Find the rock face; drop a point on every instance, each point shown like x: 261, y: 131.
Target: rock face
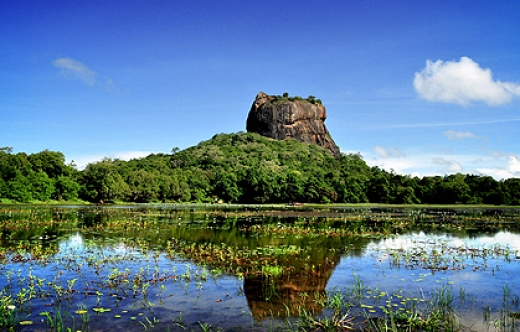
x: 282, y: 118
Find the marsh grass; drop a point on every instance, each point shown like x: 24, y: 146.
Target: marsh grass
x: 122, y: 252
x: 8, y: 317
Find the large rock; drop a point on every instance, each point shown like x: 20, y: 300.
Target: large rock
x: 281, y: 118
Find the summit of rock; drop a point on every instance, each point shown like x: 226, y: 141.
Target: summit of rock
x: 285, y: 117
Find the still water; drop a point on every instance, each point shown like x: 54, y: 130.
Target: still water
x: 185, y: 268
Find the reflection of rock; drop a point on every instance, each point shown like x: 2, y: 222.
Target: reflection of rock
x: 290, y: 292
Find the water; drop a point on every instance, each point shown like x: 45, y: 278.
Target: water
x: 182, y: 268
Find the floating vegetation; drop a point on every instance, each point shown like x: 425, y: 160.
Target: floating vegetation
x: 258, y: 267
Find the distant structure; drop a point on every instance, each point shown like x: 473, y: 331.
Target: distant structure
x: 282, y: 117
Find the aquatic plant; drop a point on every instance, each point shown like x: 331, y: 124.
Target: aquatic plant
x: 8, y: 317
x: 143, y: 259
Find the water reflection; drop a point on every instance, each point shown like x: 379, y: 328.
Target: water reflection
x: 290, y: 293
x: 216, y: 267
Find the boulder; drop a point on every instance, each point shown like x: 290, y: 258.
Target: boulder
x: 282, y: 117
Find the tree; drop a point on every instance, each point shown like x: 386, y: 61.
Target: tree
x: 19, y: 189
x: 258, y: 185
x: 484, y: 189
x: 50, y: 162
x: 225, y: 186
x: 3, y: 188
x: 143, y: 186
x: 454, y: 190
x: 42, y: 186
x: 511, y: 189
x: 404, y: 187
x: 293, y: 187
x: 6, y: 149
x: 179, y: 188
x: 103, y: 182
x: 66, y: 188
x: 379, y: 189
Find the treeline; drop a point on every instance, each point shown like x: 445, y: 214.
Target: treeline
x: 239, y: 168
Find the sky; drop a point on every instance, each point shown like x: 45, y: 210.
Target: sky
x: 416, y: 87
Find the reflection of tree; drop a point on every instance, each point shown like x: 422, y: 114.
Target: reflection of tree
x: 291, y: 292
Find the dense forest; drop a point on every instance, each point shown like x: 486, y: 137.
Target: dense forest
x: 238, y: 168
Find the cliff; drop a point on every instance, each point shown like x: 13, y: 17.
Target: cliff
x: 282, y: 117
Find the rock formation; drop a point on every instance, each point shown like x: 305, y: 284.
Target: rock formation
x: 283, y: 117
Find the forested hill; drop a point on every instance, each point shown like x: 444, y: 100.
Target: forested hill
x: 239, y: 168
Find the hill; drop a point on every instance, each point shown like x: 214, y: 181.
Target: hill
x: 239, y: 168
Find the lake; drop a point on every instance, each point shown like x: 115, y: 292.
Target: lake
x: 258, y: 268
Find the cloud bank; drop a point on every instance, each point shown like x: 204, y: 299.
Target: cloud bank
x: 461, y: 83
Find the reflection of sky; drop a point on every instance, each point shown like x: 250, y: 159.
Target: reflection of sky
x: 415, y: 240
x: 482, y: 278
x: 502, y: 238
x: 76, y: 243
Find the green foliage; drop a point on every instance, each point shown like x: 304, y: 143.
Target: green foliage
x: 66, y: 188
x: 239, y: 168
x: 103, y: 181
x: 285, y: 97
x: 42, y: 186
x: 49, y: 162
x: 40, y: 177
x: 19, y: 188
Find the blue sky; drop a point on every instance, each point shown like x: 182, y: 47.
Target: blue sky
x: 419, y: 87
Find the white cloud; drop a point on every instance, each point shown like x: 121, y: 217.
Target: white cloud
x: 433, y: 161
x: 497, y: 173
x: 514, y: 164
x: 449, y: 165
x: 73, y: 69
x: 414, y: 164
x: 393, y: 152
x: 453, y: 135
x: 381, y: 151
x: 461, y: 83
x: 503, y: 171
